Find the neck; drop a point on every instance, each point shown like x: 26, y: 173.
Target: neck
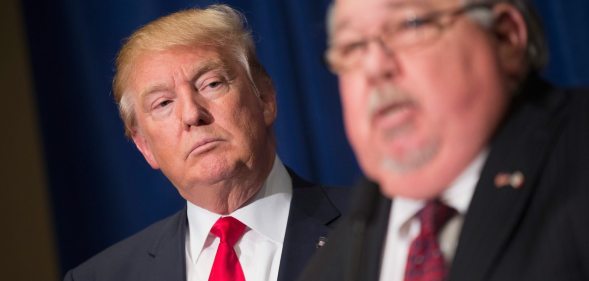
x: 231, y: 198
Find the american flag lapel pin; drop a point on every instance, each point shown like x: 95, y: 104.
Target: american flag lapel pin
x: 321, y: 242
x: 515, y: 180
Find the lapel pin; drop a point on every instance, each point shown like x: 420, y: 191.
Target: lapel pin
x: 321, y: 242
x: 515, y: 180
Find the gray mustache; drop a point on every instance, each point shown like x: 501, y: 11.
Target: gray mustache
x: 385, y: 96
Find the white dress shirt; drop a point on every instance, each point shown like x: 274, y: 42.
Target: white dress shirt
x: 260, y: 248
x: 403, y: 225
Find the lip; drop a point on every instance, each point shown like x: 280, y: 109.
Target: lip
x: 203, y: 145
x: 393, y: 115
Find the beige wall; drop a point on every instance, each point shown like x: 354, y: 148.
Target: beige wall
x: 26, y: 237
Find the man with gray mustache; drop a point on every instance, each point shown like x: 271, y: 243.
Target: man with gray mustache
x: 476, y: 167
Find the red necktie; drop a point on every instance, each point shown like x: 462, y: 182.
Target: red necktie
x: 226, y: 266
x: 425, y: 261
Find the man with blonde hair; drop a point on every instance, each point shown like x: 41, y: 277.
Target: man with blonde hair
x: 477, y: 167
x: 200, y: 107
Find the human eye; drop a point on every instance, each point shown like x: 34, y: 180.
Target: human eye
x: 213, y: 85
x: 351, y: 48
x: 160, y: 105
x: 346, y: 52
x: 411, y: 31
x: 163, y: 103
x: 415, y: 23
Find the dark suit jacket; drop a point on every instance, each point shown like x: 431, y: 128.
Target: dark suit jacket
x: 539, y: 231
x: 158, y: 253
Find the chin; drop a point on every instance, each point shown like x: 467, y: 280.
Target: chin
x: 210, y: 175
x: 415, y: 179
x: 410, y: 186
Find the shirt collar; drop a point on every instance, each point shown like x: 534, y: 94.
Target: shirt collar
x: 270, y: 205
x: 458, y: 195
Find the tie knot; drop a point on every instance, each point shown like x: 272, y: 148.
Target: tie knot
x: 434, y: 216
x: 228, y: 229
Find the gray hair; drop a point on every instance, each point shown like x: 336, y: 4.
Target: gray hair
x: 537, y: 50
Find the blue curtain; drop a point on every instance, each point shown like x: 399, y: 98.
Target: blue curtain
x: 102, y: 189
x: 567, y: 29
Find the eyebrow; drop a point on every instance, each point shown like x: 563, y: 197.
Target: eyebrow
x: 153, y: 89
x: 199, y: 70
x: 394, y: 5
x: 208, y: 66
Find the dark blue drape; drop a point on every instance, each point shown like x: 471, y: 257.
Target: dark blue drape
x: 102, y: 189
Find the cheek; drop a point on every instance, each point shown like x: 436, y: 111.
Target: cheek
x: 454, y: 84
x: 354, y: 109
x: 165, y: 130
x: 245, y: 121
x: 357, y: 123
x: 464, y: 104
x: 163, y: 141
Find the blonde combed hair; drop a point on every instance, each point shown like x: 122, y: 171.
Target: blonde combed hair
x: 217, y: 26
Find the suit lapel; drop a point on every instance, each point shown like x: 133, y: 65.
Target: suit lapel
x: 494, y: 212
x: 167, y: 260
x: 310, y: 214
x: 370, y: 217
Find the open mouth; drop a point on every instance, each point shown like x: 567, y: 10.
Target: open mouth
x: 393, y: 115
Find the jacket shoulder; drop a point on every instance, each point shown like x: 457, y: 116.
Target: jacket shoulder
x: 336, y: 196
x: 133, y: 252
x: 339, y: 196
x: 354, y: 248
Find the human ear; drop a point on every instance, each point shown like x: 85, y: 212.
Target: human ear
x: 268, y: 99
x: 511, y: 34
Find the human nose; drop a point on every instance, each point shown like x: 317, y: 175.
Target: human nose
x: 193, y: 110
x: 380, y: 61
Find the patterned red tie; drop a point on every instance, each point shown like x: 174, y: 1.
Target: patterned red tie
x: 425, y: 261
x: 226, y: 266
